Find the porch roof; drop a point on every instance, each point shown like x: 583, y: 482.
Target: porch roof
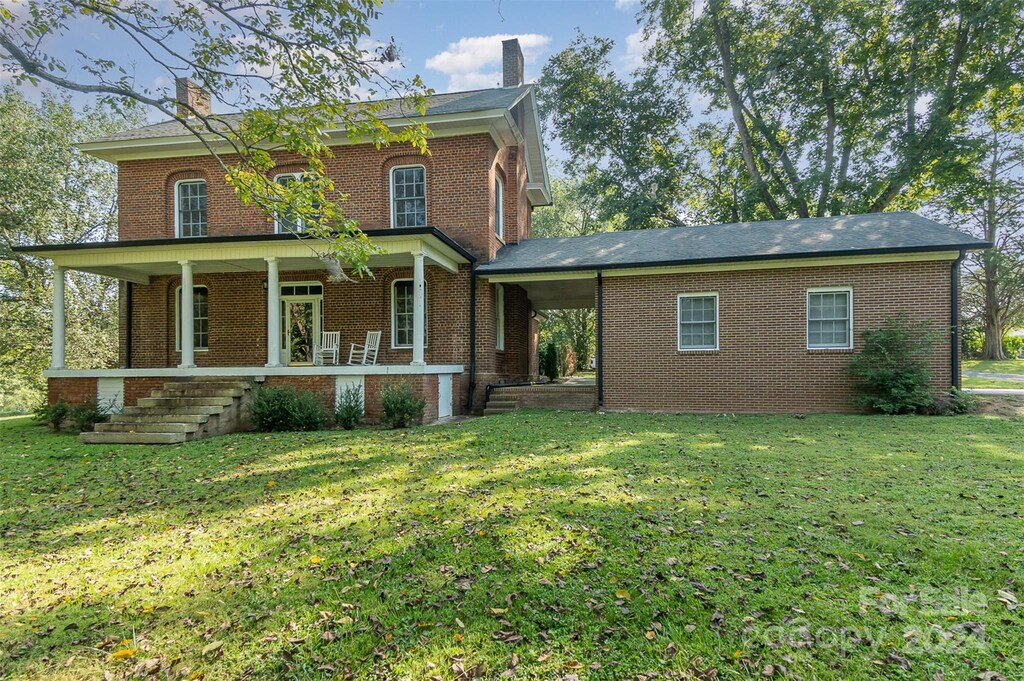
x: 138, y: 260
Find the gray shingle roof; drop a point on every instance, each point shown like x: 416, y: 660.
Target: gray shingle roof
x: 437, y: 105
x: 773, y: 239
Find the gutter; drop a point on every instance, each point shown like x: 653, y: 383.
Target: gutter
x: 954, y: 319
x: 472, y: 338
x: 600, y: 341
x: 128, y: 324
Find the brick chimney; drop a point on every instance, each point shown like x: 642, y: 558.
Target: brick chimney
x: 189, y: 94
x: 511, y: 63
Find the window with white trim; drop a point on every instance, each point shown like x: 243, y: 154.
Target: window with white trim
x: 402, y: 307
x: 499, y: 207
x: 408, y: 196
x: 200, y: 318
x: 499, y: 317
x: 287, y: 222
x: 190, y: 218
x: 830, y: 319
x: 698, y: 321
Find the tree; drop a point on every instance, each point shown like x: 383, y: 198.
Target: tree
x: 52, y: 193
x: 989, y: 202
x: 624, y: 138
x: 290, y: 67
x: 843, y: 107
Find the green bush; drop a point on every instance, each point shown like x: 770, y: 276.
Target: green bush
x: 399, y: 407
x: 350, y: 407
x: 306, y: 412
x: 53, y: 415
x: 549, y: 360
x: 279, y: 409
x: 891, y: 371
x: 953, y: 403
x: 1013, y: 347
x: 972, y: 342
x: 86, y: 415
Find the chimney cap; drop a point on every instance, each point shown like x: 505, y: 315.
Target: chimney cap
x: 511, y: 63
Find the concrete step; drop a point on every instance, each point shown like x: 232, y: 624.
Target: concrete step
x: 148, y: 427
x: 185, y: 402
x: 100, y: 438
x: 171, y: 411
x: 208, y: 385
x: 199, y: 391
x: 490, y: 411
x: 149, y: 417
x: 503, y: 403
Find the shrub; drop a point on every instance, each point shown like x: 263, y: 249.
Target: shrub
x: 53, y: 415
x: 399, y: 407
x: 350, y: 407
x: 1013, y: 347
x: 549, y: 360
x: 953, y: 403
x: 278, y: 409
x: 86, y: 415
x: 972, y: 342
x: 891, y: 371
x: 306, y: 412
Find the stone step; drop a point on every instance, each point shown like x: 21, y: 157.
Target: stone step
x: 149, y: 417
x: 185, y: 402
x: 490, y: 411
x: 199, y: 391
x: 100, y: 438
x: 195, y: 410
x: 502, y: 403
x: 148, y: 427
x: 208, y: 385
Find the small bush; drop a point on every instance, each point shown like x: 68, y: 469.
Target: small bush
x: 549, y: 361
x: 53, y: 415
x: 972, y: 342
x: 1013, y: 347
x: 86, y: 415
x: 350, y: 407
x: 891, y: 371
x: 399, y: 407
x: 280, y: 409
x: 953, y: 403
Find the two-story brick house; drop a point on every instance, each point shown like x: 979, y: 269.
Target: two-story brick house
x: 745, y: 317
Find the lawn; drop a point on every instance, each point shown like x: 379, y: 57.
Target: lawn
x: 972, y: 382
x: 1009, y: 366
x: 533, y: 545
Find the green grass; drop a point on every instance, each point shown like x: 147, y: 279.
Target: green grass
x: 1010, y: 366
x: 971, y: 382
x: 601, y: 546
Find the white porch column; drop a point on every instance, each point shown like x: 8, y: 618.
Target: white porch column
x: 418, y: 311
x: 187, y: 307
x: 57, y: 351
x: 273, y: 314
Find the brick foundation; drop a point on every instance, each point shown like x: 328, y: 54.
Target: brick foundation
x: 71, y: 390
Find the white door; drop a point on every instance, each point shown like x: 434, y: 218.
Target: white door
x: 300, y: 327
x: 444, y: 396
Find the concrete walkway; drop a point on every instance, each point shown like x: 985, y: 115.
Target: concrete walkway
x: 1000, y: 377
x: 996, y: 391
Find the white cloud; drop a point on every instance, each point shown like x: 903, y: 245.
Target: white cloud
x: 626, y: 4
x: 469, y: 63
x: 637, y: 47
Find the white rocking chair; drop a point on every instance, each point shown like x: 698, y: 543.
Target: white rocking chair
x: 367, y: 352
x: 327, y: 349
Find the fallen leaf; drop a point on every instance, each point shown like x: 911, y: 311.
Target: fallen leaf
x: 125, y: 654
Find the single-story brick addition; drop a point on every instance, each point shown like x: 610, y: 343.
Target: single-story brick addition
x: 751, y: 317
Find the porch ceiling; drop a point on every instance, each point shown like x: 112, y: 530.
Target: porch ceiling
x: 137, y: 262
x: 556, y: 294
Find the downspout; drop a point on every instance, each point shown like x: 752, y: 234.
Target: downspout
x: 128, y: 324
x: 954, y: 318
x: 600, y: 341
x: 472, y: 337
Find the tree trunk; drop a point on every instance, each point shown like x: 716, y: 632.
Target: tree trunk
x: 993, y: 348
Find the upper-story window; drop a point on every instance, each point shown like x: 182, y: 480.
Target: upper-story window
x: 499, y: 207
x: 190, y: 208
x: 287, y: 222
x: 408, y: 196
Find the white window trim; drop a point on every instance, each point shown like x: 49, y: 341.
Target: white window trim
x: 391, y: 191
x: 177, y: 213
x: 679, y: 321
x: 499, y: 207
x: 807, y: 318
x: 394, y: 327
x: 301, y: 224
x: 317, y: 298
x: 499, y: 316
x: 177, y: 319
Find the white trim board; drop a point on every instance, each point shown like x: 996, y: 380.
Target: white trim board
x: 262, y: 371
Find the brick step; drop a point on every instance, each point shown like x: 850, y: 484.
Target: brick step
x: 149, y: 417
x: 99, y: 438
x: 208, y: 385
x: 195, y: 410
x: 148, y: 427
x: 199, y: 391
x: 491, y: 411
x: 185, y: 402
x: 503, y: 402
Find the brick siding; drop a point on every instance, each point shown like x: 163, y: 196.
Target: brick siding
x: 763, y: 364
x: 72, y: 390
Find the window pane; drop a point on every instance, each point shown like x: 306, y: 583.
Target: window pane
x: 191, y: 207
x: 698, y: 323
x: 409, y: 192
x: 828, y: 319
x: 402, y: 314
x: 200, y: 319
